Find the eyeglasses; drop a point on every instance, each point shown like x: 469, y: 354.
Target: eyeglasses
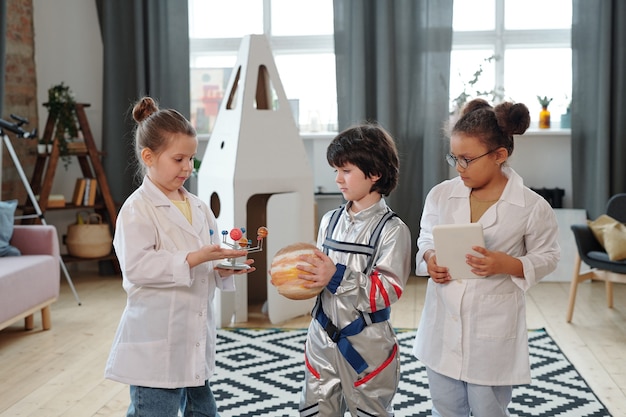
x: 463, y: 162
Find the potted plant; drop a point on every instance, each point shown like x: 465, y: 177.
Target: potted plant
x: 62, y: 107
x: 544, y: 114
x: 42, y: 149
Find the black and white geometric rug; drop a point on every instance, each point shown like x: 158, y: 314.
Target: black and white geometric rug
x: 260, y: 371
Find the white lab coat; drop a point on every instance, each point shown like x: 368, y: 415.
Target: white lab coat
x: 166, y: 336
x: 474, y: 330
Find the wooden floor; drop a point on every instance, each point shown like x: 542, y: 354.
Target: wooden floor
x: 59, y: 372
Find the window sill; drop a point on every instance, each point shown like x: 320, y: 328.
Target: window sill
x: 535, y: 131
x: 204, y: 137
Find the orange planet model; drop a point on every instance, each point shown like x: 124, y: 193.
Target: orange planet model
x: 285, y: 274
x: 262, y: 232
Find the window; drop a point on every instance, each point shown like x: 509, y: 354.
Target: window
x: 521, y: 49
x: 301, y: 38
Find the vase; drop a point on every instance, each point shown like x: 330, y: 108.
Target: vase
x: 544, y: 118
x: 41, y: 148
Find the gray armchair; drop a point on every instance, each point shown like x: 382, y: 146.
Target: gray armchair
x: 591, y: 252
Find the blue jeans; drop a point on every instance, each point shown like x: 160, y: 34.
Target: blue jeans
x: 162, y: 402
x: 454, y: 398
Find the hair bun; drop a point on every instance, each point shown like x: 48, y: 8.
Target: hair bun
x: 144, y: 108
x: 513, y: 118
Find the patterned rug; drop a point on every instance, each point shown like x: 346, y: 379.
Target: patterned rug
x: 260, y: 371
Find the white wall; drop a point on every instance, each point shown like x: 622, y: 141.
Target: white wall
x: 323, y: 174
x: 68, y: 49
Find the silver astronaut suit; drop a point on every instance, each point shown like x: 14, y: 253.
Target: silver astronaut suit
x: 351, y: 352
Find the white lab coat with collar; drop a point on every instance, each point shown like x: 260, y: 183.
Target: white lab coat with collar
x: 474, y: 330
x: 166, y: 336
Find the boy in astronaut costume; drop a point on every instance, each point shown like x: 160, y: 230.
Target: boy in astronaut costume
x: 351, y: 353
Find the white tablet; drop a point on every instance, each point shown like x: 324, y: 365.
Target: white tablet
x: 453, y: 242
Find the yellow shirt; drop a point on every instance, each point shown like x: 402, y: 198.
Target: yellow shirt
x: 479, y: 207
x: 184, y: 208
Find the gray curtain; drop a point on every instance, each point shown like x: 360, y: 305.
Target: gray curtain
x: 598, y: 103
x: 393, y: 67
x: 146, y: 52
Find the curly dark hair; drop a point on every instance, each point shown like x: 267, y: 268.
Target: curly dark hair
x: 494, y: 126
x: 372, y: 149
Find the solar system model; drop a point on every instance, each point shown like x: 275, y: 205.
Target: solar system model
x: 240, y: 242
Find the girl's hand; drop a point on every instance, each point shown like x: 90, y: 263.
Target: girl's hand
x: 492, y: 263
x: 437, y: 273
x: 212, y: 253
x: 320, y: 269
x: 228, y: 272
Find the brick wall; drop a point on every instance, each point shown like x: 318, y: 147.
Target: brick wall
x: 20, y: 95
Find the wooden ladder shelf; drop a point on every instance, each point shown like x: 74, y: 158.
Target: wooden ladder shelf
x: 89, y: 159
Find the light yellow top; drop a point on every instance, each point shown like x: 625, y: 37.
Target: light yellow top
x: 184, y: 208
x: 479, y: 207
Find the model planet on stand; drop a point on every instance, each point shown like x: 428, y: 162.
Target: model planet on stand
x: 285, y: 274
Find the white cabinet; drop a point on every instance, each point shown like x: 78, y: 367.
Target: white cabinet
x: 544, y: 159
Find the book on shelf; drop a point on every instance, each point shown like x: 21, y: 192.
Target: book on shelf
x: 79, y: 191
x: 89, y: 197
x: 55, y: 200
x: 76, y: 146
x: 93, y: 187
x: 87, y: 190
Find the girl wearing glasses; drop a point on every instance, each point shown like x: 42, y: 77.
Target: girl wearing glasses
x: 472, y: 335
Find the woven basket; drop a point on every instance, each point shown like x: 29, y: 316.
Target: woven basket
x: 89, y: 237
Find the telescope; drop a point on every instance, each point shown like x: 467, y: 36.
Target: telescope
x: 17, y: 127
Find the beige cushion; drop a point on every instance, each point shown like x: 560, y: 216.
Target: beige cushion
x: 612, y: 236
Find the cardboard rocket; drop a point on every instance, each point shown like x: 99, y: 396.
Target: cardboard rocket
x: 255, y: 172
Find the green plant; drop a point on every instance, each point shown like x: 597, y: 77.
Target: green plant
x: 196, y: 166
x: 544, y: 101
x: 469, y: 90
x: 62, y: 107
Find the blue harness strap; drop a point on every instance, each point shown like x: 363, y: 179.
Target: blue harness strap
x: 340, y: 337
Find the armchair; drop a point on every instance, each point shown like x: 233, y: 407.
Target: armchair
x: 593, y: 254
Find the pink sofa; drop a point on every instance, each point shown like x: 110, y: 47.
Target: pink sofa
x: 30, y: 282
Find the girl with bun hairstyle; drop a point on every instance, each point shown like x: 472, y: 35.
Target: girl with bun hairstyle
x: 167, y: 244
x: 472, y: 335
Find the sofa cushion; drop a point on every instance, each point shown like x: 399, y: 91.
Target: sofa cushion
x: 7, y: 217
x: 27, y: 281
x: 612, y: 236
